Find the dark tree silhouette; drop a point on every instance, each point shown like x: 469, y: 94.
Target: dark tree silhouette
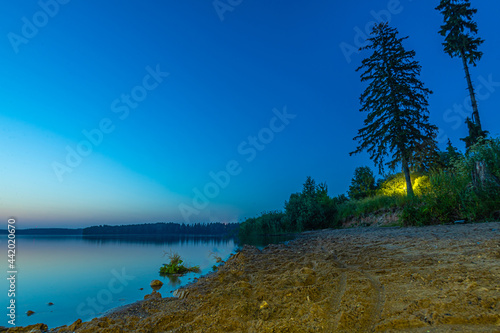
x: 449, y: 156
x: 397, y: 123
x: 459, y: 30
x: 362, y: 184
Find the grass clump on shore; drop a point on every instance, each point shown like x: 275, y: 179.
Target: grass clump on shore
x: 370, y: 205
x: 218, y: 261
x: 176, y: 266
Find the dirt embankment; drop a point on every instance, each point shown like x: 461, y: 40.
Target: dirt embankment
x: 430, y: 279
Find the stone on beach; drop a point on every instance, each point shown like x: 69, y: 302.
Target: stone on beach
x: 156, y: 284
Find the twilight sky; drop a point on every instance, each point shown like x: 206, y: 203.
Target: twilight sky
x: 122, y: 112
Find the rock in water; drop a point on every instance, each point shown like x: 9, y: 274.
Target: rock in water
x: 156, y: 284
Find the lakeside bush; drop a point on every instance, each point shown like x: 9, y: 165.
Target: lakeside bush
x: 453, y: 190
x: 455, y: 193
x: 358, y: 208
x: 362, y: 184
x: 308, y: 210
x: 395, y: 185
x: 311, y: 209
x: 267, y: 223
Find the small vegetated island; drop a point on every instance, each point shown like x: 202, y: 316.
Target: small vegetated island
x: 176, y: 266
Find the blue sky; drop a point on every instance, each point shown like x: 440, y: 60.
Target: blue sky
x: 170, y: 93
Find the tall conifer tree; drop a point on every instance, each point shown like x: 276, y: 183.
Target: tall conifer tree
x: 459, y: 30
x: 397, y: 125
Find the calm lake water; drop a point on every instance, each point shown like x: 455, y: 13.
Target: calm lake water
x: 85, y: 277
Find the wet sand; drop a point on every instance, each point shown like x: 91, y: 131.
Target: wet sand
x: 430, y: 279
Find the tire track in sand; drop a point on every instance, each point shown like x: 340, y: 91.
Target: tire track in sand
x: 377, y: 302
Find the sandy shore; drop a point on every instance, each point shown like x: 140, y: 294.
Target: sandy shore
x: 430, y: 279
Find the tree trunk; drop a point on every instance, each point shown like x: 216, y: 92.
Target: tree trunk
x: 406, y: 171
x: 475, y: 112
x: 482, y: 177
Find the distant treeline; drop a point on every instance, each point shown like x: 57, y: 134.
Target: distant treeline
x: 198, y: 229
x: 47, y: 231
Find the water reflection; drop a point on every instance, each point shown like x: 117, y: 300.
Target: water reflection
x: 158, y: 239
x: 68, y: 271
x: 173, y: 280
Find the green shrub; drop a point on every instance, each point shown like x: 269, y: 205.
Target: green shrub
x: 176, y: 267
x: 452, y: 194
x: 487, y: 151
x: 395, y: 185
x: 308, y: 210
x: 267, y: 223
x: 357, y: 208
x: 415, y: 213
x: 362, y: 184
x: 482, y: 199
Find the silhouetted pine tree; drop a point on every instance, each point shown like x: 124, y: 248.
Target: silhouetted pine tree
x: 362, y: 184
x: 397, y: 123
x: 458, y: 30
x: 449, y: 156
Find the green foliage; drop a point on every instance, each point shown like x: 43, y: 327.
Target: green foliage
x: 340, y: 199
x: 310, y: 209
x: 452, y: 194
x: 267, y: 223
x: 442, y: 196
x: 442, y: 204
x: 395, y: 185
x: 362, y: 184
x: 175, y: 266
x: 415, y: 213
x: 448, y: 157
x: 487, y: 151
x: 363, y: 207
